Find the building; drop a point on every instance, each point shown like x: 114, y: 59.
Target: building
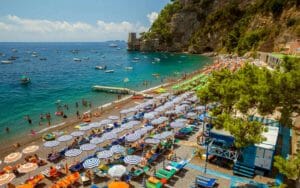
x: 271, y: 59
x: 133, y: 42
x: 141, y: 44
x: 256, y: 159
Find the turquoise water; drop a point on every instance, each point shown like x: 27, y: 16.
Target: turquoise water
x: 61, y: 78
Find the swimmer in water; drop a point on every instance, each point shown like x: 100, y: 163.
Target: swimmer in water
x: 7, y: 130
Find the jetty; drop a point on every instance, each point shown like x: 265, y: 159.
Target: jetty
x: 118, y: 90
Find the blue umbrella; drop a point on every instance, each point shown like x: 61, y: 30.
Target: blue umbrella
x: 91, y: 163
x: 97, y: 140
x: 117, y: 149
x: 132, y: 159
x: 73, y: 152
x: 65, y: 138
x: 87, y: 147
x: 104, y: 154
x: 51, y: 144
x: 132, y: 137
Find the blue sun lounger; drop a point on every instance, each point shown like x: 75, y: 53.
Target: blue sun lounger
x: 202, y: 181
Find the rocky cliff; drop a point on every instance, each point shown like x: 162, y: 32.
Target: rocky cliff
x: 237, y: 26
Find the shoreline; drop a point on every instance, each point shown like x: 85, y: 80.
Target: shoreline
x: 106, y: 109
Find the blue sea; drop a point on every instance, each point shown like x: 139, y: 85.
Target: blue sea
x: 59, y: 77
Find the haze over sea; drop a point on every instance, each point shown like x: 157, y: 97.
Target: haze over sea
x: 61, y: 78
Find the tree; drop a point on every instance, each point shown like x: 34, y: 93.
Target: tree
x: 289, y: 167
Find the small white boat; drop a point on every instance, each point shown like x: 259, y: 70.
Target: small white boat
x: 76, y: 59
x: 34, y: 55
x: 129, y: 68
x: 113, y: 45
x: 14, y: 50
x: 118, y: 48
x: 6, y: 62
x: 136, y: 58
x: 101, y: 67
x: 156, y: 59
x: 109, y: 71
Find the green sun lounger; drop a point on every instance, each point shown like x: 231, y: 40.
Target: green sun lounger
x: 152, y: 185
x: 161, y: 173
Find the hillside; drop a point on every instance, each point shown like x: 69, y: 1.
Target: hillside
x: 238, y: 26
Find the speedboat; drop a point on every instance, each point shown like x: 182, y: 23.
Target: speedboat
x: 12, y: 58
x: 25, y: 80
x: 76, y: 59
x: 136, y: 58
x: 128, y: 68
x: 43, y: 59
x: 101, y: 67
x: 6, y: 62
x: 109, y: 71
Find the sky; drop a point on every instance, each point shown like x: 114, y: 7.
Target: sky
x: 75, y: 20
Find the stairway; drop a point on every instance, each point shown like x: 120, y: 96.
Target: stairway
x: 243, y: 170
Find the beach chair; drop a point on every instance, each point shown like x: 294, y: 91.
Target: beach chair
x: 153, y: 183
x: 161, y: 173
x: 205, y: 181
x: 179, y: 165
x: 76, y: 168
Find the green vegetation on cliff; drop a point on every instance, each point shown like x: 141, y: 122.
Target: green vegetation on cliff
x: 229, y: 26
x: 251, y: 88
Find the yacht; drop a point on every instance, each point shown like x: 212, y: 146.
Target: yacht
x: 113, y: 45
x: 6, y: 62
x: 76, y: 59
x: 101, y: 67
x: 109, y: 71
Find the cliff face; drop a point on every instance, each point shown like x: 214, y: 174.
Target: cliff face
x: 236, y: 26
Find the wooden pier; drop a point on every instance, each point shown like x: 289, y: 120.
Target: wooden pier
x: 117, y: 90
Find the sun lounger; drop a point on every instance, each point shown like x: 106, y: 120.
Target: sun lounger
x: 153, y: 183
x: 76, y: 168
x: 205, y: 181
x: 161, y: 173
x: 179, y: 165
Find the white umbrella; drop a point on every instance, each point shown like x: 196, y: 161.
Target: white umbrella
x: 73, y: 152
x: 6, y: 178
x: 77, y: 133
x: 166, y: 134
x: 109, y: 136
x: 87, y: 147
x: 105, y: 121
x: 133, y: 123
x: 117, y: 130
x: 177, y: 124
x: 181, y: 120
x: 132, y: 159
x: 152, y: 141
x: 85, y: 128
x: 199, y: 108
x: 30, y: 149
x: 65, y: 138
x: 132, y: 137
x: 191, y: 115
x: 95, y: 125
x: 117, y: 171
x: 150, y: 115
x: 113, y: 117
x: 27, y: 167
x: 97, y: 140
x: 104, y: 154
x: 91, y: 163
x: 13, y: 157
x: 51, y: 144
x: 117, y: 149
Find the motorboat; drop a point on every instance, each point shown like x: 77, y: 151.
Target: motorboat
x: 14, y: 50
x: 156, y: 59
x: 128, y: 68
x: 76, y: 59
x: 101, y: 67
x: 25, y: 80
x: 12, y: 58
x: 6, y: 62
x: 109, y: 71
x: 43, y: 59
x: 156, y: 75
x: 113, y: 45
x: 136, y: 58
